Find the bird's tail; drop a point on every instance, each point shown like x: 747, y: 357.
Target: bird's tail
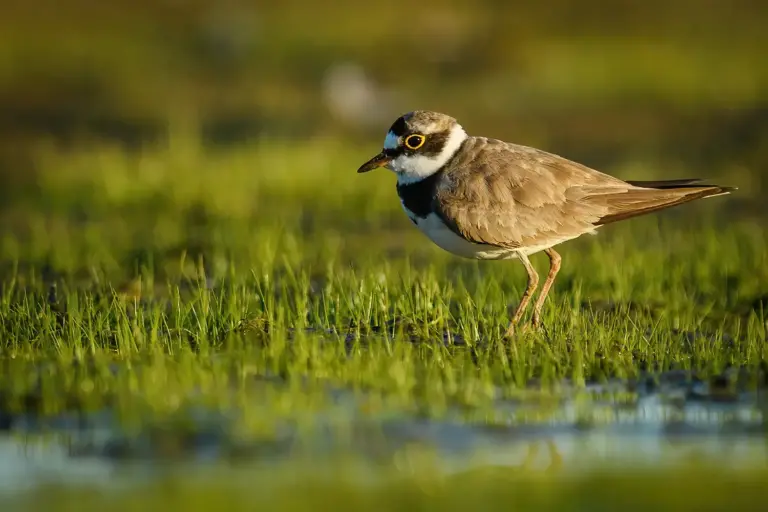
x: 651, y: 196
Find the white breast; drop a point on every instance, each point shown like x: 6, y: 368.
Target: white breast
x: 446, y: 239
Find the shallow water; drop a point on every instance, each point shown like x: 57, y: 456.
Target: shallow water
x: 669, y: 419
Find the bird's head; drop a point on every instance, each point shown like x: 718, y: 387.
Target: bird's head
x: 417, y: 145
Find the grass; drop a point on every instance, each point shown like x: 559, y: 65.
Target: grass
x: 253, y: 282
x: 687, y: 488
x: 122, y: 253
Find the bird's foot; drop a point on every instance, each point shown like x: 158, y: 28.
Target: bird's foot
x: 517, y: 328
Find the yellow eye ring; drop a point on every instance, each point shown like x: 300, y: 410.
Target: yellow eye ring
x: 414, y: 141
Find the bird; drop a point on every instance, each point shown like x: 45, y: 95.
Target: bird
x: 486, y: 199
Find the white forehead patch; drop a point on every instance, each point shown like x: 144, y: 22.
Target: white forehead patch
x: 390, y: 142
x: 413, y: 168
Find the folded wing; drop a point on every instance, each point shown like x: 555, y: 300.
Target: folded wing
x: 514, y: 196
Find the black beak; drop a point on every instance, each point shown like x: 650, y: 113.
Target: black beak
x: 379, y: 160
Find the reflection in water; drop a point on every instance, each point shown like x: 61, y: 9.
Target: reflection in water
x: 670, y: 420
x: 664, y: 421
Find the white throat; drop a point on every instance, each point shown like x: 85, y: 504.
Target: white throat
x: 413, y: 168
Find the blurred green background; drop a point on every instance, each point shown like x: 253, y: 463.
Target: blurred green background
x: 681, y: 80
x: 127, y: 125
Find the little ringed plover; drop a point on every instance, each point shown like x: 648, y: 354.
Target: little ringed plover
x: 483, y: 198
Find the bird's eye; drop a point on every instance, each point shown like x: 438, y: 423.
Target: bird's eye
x: 414, y: 141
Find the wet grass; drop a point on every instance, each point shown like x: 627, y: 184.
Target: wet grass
x: 261, y: 285
x: 416, y: 488
x: 178, y: 249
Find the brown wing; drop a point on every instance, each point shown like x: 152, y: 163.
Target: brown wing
x: 514, y: 196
